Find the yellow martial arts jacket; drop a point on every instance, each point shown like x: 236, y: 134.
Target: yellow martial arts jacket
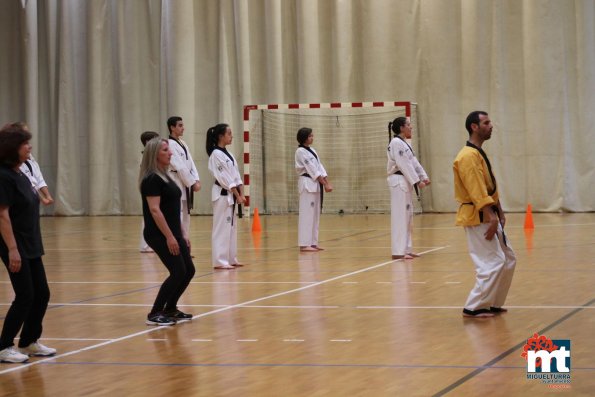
x: 473, y: 183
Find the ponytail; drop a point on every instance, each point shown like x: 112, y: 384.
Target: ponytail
x: 213, y: 135
x: 395, y: 126
x: 390, y: 136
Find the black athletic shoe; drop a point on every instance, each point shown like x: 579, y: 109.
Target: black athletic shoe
x: 481, y: 313
x: 498, y: 310
x: 159, y: 319
x: 178, y: 315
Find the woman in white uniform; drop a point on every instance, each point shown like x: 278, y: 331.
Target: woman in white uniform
x: 405, y: 174
x: 312, y: 180
x: 225, y: 194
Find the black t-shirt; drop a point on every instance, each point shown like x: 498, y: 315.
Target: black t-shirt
x: 17, y: 193
x: 169, y: 204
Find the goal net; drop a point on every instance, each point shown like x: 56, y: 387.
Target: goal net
x: 350, y: 139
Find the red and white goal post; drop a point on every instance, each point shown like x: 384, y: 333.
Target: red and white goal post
x: 351, y: 139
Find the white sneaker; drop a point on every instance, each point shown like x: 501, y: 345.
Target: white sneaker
x: 11, y: 355
x: 37, y: 349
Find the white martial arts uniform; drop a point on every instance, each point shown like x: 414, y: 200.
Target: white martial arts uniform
x: 34, y: 174
x: 401, y: 159
x: 225, y: 170
x: 310, y: 195
x: 185, y: 175
x: 475, y: 188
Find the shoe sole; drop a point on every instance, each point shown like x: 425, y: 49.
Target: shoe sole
x: 157, y: 324
x: 14, y: 362
x: 40, y: 354
x: 482, y: 315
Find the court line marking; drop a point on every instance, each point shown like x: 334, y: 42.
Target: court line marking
x: 503, y: 355
x: 461, y: 307
x: 544, y: 307
x: 302, y: 365
x: 227, y: 308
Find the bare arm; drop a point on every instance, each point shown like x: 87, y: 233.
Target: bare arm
x: 172, y: 243
x: 14, y: 258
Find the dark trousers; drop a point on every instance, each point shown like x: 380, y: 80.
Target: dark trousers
x: 32, y: 295
x: 181, y: 270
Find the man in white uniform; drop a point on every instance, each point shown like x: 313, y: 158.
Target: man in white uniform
x: 183, y: 170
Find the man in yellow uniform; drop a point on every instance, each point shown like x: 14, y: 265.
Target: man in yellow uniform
x: 480, y: 213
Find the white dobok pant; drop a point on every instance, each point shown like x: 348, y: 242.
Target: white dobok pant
x: 225, y: 233
x: 185, y: 218
x: 143, y: 246
x: 309, y: 219
x: 494, y: 266
x: 401, y: 220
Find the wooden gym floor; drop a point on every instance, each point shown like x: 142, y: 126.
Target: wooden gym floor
x: 347, y: 321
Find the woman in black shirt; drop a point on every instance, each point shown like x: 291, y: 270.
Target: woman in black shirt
x: 163, y: 233
x: 21, y: 250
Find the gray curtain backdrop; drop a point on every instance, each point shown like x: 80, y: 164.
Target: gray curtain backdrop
x: 90, y: 76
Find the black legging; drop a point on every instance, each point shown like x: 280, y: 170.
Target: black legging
x: 32, y: 295
x: 181, y: 270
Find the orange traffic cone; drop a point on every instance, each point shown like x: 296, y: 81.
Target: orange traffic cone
x: 529, y: 218
x: 256, y: 222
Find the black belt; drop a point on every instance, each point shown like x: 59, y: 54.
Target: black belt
x: 415, y: 186
x: 225, y: 192
x: 321, y: 190
x: 497, y: 211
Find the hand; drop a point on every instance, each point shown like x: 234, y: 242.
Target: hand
x: 241, y: 199
x: 172, y: 245
x: 427, y: 182
x: 421, y: 184
x: 196, y: 186
x: 328, y: 188
x: 492, y: 229
x: 46, y: 200
x: 14, y: 261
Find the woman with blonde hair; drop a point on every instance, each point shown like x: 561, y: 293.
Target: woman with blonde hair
x: 163, y: 231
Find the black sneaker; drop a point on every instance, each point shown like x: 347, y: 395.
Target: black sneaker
x: 178, y: 315
x: 159, y: 319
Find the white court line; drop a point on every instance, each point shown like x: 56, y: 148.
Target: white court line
x: 147, y: 331
x: 77, y: 339
x: 149, y: 305
x: 461, y: 307
x: 161, y: 282
x: 156, y: 340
